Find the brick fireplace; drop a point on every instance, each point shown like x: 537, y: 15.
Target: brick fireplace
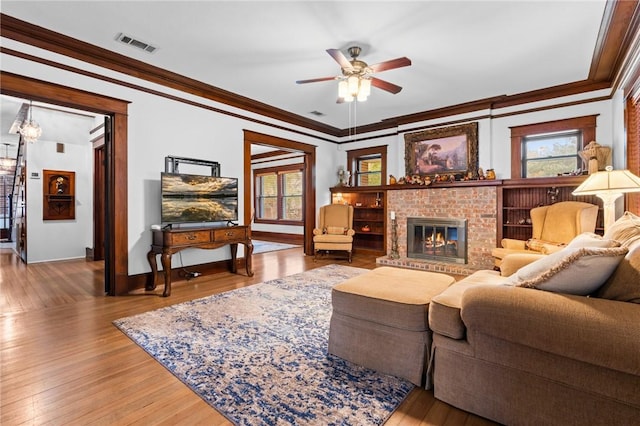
x: 473, y: 202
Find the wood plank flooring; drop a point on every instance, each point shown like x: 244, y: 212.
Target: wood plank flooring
x: 64, y: 363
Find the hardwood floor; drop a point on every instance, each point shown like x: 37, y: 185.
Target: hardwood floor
x: 64, y: 363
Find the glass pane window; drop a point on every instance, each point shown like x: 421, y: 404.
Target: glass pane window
x: 279, y: 194
x: 369, y: 171
x: 551, y: 155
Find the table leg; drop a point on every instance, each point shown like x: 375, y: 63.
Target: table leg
x: 247, y: 256
x: 234, y: 255
x: 153, y: 282
x: 166, y: 265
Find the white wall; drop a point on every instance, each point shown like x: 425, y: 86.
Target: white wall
x: 60, y: 239
x: 158, y: 127
x: 494, y: 134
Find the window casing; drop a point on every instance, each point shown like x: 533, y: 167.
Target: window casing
x: 368, y: 166
x: 279, y: 195
x: 585, y: 126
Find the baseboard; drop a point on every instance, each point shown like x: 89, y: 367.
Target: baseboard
x: 278, y: 237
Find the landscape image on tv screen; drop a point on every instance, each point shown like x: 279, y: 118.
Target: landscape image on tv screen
x: 195, y: 198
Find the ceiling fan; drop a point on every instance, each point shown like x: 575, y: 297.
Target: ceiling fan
x: 356, y: 79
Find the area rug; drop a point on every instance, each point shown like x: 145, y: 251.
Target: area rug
x: 267, y: 246
x: 259, y: 356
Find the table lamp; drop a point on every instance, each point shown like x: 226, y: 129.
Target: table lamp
x: 609, y: 186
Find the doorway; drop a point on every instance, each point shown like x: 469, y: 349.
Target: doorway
x: 309, y: 152
x: 116, y: 234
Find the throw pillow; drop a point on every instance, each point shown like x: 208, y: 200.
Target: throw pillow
x: 545, y: 247
x: 578, y: 271
x: 589, y: 239
x: 336, y: 230
x: 625, y: 230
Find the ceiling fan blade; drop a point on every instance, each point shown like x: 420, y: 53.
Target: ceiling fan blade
x: 339, y: 57
x: 315, y: 80
x: 340, y: 100
x: 391, y: 64
x: 385, y: 85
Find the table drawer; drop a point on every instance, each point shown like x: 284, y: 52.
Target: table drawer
x: 229, y: 234
x: 190, y: 237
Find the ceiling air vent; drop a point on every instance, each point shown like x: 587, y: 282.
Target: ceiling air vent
x: 132, y: 41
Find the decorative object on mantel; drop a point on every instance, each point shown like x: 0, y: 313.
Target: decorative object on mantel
x: 491, y: 174
x: 609, y: 186
x: 444, y: 151
x: 343, y: 177
x: 596, y: 156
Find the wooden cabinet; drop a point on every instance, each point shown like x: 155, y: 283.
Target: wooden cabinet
x: 369, y: 216
x: 59, y: 189
x: 167, y: 242
x: 517, y: 196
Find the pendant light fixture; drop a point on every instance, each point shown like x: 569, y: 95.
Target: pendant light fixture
x: 30, y: 130
x: 7, y: 165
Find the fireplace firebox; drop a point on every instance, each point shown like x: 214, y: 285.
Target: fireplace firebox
x: 441, y: 239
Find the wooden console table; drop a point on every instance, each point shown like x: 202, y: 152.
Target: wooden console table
x: 169, y: 241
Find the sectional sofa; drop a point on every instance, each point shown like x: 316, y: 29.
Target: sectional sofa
x: 555, y: 341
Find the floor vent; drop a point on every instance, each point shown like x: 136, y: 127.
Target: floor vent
x: 132, y: 41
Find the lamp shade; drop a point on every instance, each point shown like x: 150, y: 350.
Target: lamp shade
x: 609, y: 186
x: 612, y: 181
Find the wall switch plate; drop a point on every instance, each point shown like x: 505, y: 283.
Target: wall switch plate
x: 34, y: 175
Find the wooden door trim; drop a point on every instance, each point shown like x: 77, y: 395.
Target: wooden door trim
x: 309, y: 151
x: 38, y: 90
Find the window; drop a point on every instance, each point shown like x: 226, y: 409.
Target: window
x: 368, y: 166
x: 551, y: 155
x: 278, y: 194
x: 546, y: 149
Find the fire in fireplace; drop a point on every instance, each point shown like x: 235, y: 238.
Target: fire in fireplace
x: 440, y: 239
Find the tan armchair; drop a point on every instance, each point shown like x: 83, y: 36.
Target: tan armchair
x: 334, y: 231
x: 553, y: 227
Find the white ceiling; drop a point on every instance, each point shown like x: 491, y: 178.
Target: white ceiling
x: 461, y: 51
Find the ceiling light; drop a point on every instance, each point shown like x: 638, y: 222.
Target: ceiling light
x: 7, y: 165
x: 30, y: 130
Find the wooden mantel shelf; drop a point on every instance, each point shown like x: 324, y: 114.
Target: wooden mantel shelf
x: 546, y: 181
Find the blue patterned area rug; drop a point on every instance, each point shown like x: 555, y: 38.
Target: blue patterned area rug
x: 267, y: 246
x: 259, y: 354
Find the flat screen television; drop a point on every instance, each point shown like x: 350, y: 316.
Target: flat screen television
x: 196, y: 198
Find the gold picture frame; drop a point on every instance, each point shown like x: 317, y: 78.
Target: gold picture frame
x: 444, y: 151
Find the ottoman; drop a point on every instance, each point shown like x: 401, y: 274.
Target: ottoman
x: 380, y: 320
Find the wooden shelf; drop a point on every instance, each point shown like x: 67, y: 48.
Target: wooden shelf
x: 516, y: 197
x: 369, y: 208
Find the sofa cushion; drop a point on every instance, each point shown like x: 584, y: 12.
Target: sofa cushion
x: 625, y: 230
x: 444, y: 311
x: 624, y: 283
x: 578, y: 271
x: 336, y: 230
x: 589, y: 239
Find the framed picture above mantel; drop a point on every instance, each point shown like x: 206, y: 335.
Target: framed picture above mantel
x: 449, y: 150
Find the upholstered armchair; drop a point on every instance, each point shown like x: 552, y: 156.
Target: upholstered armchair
x: 553, y: 227
x: 334, y: 231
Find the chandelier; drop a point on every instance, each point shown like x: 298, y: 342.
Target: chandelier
x: 30, y: 130
x: 7, y: 165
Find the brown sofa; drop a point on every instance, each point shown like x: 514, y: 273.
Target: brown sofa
x: 519, y: 355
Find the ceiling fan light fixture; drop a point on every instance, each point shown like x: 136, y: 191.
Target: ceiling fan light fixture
x: 343, y: 89
x: 354, y: 84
